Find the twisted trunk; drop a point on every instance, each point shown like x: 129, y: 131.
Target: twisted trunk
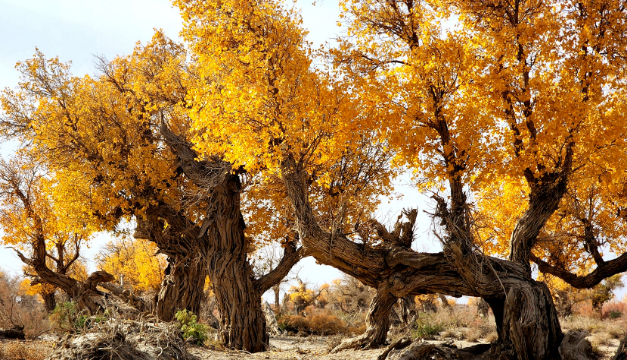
x: 182, y: 287
x: 224, y: 248
x: 377, y: 323
x: 524, y: 311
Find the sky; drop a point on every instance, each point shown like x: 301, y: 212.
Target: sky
x: 78, y: 31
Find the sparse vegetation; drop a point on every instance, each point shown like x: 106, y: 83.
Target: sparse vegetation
x: 190, y: 328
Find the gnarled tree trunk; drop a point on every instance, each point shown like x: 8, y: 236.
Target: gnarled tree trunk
x: 377, y: 323
x: 49, y: 301
x: 526, y: 316
x: 182, y: 287
x: 225, y: 247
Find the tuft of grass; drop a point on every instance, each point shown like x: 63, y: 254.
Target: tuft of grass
x: 615, y: 314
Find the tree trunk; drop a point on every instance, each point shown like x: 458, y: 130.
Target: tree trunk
x: 408, y: 309
x: 225, y: 248
x: 445, y: 304
x: 182, y: 287
x: 49, y: 301
x: 527, y: 323
x: 277, y: 294
x: 483, y: 308
x: 242, y: 322
x: 377, y: 323
x: 621, y: 352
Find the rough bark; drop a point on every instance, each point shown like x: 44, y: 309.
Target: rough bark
x: 49, y: 301
x: 271, y: 324
x: 182, y: 287
x: 459, y: 270
x: 483, y: 308
x: 408, y: 309
x: 237, y: 292
x: 377, y: 323
x: 621, y: 352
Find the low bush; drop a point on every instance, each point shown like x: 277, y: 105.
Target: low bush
x: 65, y: 317
x: 190, y: 328
x: 426, y: 328
x: 317, y: 322
x: 615, y: 314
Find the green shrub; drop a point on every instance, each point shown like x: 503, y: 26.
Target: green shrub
x: 64, y: 317
x: 424, y: 328
x: 190, y: 328
x: 615, y: 314
x: 86, y: 322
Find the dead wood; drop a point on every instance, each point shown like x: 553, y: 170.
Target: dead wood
x: 421, y: 350
x: 621, y: 352
x: 396, y: 345
x: 271, y: 324
x: 575, y: 346
x: 16, y: 332
x: 125, y: 340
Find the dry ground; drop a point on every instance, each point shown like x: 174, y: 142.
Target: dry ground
x: 604, y: 336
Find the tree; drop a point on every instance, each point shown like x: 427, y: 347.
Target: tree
x: 36, y: 219
x: 137, y: 263
x: 519, y: 91
x: 122, y: 136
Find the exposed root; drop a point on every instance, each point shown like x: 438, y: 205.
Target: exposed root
x: 621, y: 352
x: 575, y: 346
x: 125, y: 340
x: 16, y: 332
x: 421, y: 350
x: 363, y: 341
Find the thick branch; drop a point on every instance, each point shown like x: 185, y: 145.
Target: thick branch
x: 291, y: 256
x: 603, y: 271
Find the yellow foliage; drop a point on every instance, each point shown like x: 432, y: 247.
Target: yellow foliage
x: 134, y: 262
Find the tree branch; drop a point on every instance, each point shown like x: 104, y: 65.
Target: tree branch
x: 603, y: 271
x: 291, y: 256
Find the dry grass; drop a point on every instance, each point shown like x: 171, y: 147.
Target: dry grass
x: 615, y: 328
x: 24, y: 350
x: 318, y: 322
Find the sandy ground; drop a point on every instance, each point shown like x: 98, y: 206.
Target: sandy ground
x: 285, y: 347
x: 317, y: 347
x: 295, y: 348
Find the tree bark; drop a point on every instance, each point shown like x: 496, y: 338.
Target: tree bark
x: 49, y: 301
x: 527, y: 323
x: 242, y: 322
x: 182, y: 287
x: 237, y: 292
x: 526, y: 316
x: 377, y: 323
x: 621, y: 352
